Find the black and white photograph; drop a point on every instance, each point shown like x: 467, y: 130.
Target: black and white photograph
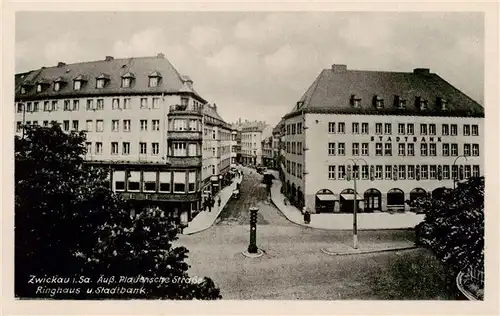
x: 249, y: 155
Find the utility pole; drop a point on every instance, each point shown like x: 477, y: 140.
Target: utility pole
x: 355, y: 174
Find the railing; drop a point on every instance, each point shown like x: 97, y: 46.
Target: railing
x: 184, y: 109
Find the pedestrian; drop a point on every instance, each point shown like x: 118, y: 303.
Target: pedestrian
x: 307, y: 217
x: 218, y: 202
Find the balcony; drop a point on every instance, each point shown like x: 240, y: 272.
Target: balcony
x: 166, y: 197
x: 184, y: 135
x: 184, y: 162
x: 181, y: 110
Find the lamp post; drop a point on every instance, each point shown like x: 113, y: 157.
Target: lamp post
x: 455, y: 179
x: 355, y: 211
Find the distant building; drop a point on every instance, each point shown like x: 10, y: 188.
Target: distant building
x: 144, y: 122
x: 252, y: 135
x: 411, y: 133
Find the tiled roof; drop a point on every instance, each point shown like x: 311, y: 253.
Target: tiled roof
x: 277, y: 128
x: 333, y: 90
x: 142, y: 68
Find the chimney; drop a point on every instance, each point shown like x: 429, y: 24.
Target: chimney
x: 60, y: 64
x: 421, y: 71
x: 339, y: 68
x: 109, y: 58
x: 160, y: 56
x: 215, y: 107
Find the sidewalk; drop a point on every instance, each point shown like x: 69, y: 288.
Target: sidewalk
x: 205, y: 219
x: 366, y: 221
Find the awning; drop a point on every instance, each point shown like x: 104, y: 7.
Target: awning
x: 326, y: 197
x: 349, y: 197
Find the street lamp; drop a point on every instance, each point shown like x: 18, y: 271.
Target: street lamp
x: 455, y: 179
x: 355, y: 211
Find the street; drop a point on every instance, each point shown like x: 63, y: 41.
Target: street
x: 293, y: 266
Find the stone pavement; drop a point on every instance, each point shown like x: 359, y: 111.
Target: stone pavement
x: 366, y: 221
x: 205, y: 219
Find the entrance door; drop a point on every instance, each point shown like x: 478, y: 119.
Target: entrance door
x: 372, y: 200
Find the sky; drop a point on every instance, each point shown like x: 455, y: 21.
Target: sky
x: 257, y: 65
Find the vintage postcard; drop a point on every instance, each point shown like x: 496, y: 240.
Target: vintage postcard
x: 285, y: 159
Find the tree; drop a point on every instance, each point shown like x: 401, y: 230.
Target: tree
x: 453, y: 227
x: 68, y: 224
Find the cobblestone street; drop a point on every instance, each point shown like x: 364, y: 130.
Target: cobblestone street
x: 293, y: 266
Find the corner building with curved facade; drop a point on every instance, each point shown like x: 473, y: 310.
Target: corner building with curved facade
x: 409, y: 133
x: 144, y: 122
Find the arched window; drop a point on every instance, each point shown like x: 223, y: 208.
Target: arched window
x: 416, y: 193
x: 325, y: 201
x: 395, y: 197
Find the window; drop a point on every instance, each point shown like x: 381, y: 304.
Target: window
x: 293, y: 168
x: 38, y: 88
x: 126, y: 104
x: 432, y: 129
x: 341, y: 149
x: 116, y: 104
x: 98, y: 148
x: 411, y: 172
x: 341, y: 128
x: 45, y: 123
x: 453, y: 129
x: 156, y: 125
x: 75, y: 125
x: 378, y: 149
x: 100, y: 104
x: 388, y: 172
x: 57, y: 86
x: 143, y: 148
x: 165, y: 178
x: 114, y: 148
x: 99, y: 126
x: 432, y: 172
x: 156, y: 103
x: 378, y: 172
x: 355, y: 128
x: 401, y: 149
x: 19, y: 126
x: 23, y: 90
x: 180, y: 149
x: 364, y: 172
x: 66, y: 105
x: 467, y: 150
x: 331, y: 149
x: 475, y: 130
x: 192, y: 150
x: 46, y: 107
x: 445, y: 129
x: 126, y: 125
x: 119, y: 180
x: 402, y: 172
x: 100, y: 83
x: 149, y: 180
x: 388, y: 149
x: 467, y: 171
x: 364, y: 128
x: 144, y: 125
x: 213, y: 134
x: 125, y: 82
x: 153, y: 81
x: 454, y: 149
x: 424, y: 172
x: 475, y: 149
x: 35, y: 123
x: 35, y: 106
x: 388, y: 128
x: 475, y: 171
x: 90, y: 105
x: 126, y: 148
x: 155, y: 148
x: 115, y: 125
x: 293, y: 129
x: 299, y: 171
x: 446, y: 149
x: 66, y: 125
x: 179, y: 182
x: 144, y: 103
x: 378, y: 128
x: 88, y: 147
x: 192, y: 182
x: 364, y: 149
x: 423, y: 129
x: 454, y: 172
x: 77, y: 84
x: 293, y: 147
x: 341, y: 172
x: 410, y: 149
x: 410, y: 129
x: 299, y: 128
x: 20, y: 108
x: 466, y: 130
x: 331, y: 172
x: 331, y: 127
x: 180, y: 125
x: 401, y: 128
x: 432, y: 149
x: 423, y: 149
x: 355, y: 149
x: 193, y: 125
x: 446, y: 172
x: 299, y: 148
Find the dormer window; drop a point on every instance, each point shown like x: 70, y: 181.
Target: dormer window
x: 421, y: 103
x: 41, y: 85
x: 127, y: 80
x: 23, y: 90
x: 154, y: 79
x: 39, y: 88
x: 77, y: 85
x: 399, y: 102
x: 58, y: 83
x: 57, y: 86
x: 355, y: 101
x: 442, y: 103
x: 101, y: 81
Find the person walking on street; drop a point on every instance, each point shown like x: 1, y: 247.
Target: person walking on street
x: 218, y: 202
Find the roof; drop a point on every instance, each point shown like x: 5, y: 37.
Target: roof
x: 334, y: 88
x: 253, y: 126
x: 113, y: 69
x: 277, y: 128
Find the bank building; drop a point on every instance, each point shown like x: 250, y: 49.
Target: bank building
x: 163, y: 144
x: 400, y: 134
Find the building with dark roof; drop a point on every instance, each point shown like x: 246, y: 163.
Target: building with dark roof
x: 144, y: 121
x: 409, y: 134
